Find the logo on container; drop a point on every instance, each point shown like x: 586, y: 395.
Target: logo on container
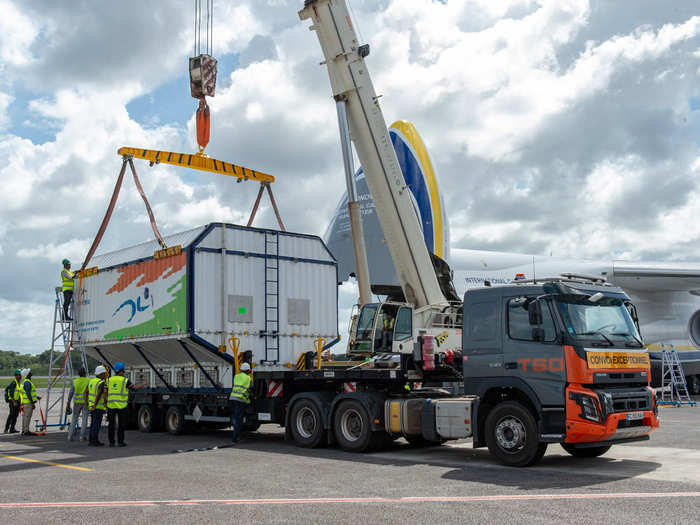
x: 137, y: 305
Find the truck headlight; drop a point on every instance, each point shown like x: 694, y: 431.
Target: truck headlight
x: 589, y: 408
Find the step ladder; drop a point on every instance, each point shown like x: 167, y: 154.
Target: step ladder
x: 272, y: 296
x: 65, y: 340
x: 674, y: 390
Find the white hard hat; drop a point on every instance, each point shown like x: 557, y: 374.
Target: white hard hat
x: 25, y: 372
x: 245, y: 367
x: 100, y: 370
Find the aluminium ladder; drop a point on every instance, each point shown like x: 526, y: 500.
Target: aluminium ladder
x: 61, y: 364
x: 674, y: 390
x: 272, y: 296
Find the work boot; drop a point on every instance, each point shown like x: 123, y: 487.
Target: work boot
x: 29, y: 434
x: 122, y: 444
x: 111, y: 445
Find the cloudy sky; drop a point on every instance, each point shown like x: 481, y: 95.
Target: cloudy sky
x: 569, y: 127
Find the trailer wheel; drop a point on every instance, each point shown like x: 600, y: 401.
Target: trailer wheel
x: 693, y: 385
x: 585, y: 452
x: 306, y: 424
x: 147, y: 418
x: 175, y: 420
x: 351, y: 427
x: 511, y: 435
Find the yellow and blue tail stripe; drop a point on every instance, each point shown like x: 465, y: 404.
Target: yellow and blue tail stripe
x: 420, y: 178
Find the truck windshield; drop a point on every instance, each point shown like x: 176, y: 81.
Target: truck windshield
x: 607, y: 321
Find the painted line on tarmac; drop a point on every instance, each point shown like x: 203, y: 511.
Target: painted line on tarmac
x: 306, y: 501
x: 51, y: 463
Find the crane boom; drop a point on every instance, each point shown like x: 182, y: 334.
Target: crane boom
x: 350, y: 81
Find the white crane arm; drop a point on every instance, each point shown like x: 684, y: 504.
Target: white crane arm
x: 350, y: 81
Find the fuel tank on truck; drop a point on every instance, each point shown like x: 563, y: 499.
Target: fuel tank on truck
x: 274, y: 291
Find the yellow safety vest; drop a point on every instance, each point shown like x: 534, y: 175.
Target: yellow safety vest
x: 117, y: 393
x: 79, y: 386
x: 17, y: 394
x: 67, y: 280
x: 32, y: 392
x: 389, y: 325
x: 241, y: 386
x: 93, y: 386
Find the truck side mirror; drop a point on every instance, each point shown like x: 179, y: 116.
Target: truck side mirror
x: 538, y: 334
x: 534, y: 313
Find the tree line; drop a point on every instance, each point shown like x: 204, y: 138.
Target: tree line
x: 39, y: 363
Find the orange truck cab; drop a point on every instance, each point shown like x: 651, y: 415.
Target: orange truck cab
x: 555, y: 361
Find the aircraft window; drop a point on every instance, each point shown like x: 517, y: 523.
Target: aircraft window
x: 364, y: 325
x: 403, y: 329
x: 519, y: 326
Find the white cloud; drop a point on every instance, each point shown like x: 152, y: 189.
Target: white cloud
x: 560, y: 126
x: 5, y: 101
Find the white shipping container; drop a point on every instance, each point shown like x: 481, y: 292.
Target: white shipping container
x: 276, y: 292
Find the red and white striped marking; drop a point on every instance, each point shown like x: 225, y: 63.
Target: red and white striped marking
x: 274, y: 388
x: 350, y: 386
x: 389, y: 500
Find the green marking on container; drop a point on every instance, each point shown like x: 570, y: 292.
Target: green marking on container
x: 242, y: 310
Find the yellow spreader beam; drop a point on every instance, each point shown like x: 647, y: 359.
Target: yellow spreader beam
x: 196, y: 162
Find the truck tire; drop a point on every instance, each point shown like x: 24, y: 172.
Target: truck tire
x: 511, y: 435
x: 175, y: 420
x: 693, y: 385
x: 306, y: 424
x: 148, y: 418
x: 585, y: 452
x: 351, y: 426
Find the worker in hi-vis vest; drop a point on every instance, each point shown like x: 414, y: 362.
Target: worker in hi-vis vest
x: 67, y: 281
x: 80, y: 409
x: 388, y: 330
x: 13, y: 396
x: 29, y: 399
x: 95, y: 399
x: 118, y: 387
x: 240, y: 399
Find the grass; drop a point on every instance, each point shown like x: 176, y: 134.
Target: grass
x: 39, y: 381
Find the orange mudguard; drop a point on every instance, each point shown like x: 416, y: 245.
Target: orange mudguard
x: 203, y: 124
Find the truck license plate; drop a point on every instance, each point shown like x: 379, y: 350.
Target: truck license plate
x: 634, y: 416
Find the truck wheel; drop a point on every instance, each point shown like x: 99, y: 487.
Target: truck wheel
x: 511, y: 435
x: 305, y: 424
x: 175, y: 420
x: 693, y: 385
x: 147, y: 418
x: 585, y: 452
x: 351, y: 427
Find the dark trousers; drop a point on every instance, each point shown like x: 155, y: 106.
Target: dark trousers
x: 237, y: 412
x: 118, y: 414
x: 95, y: 424
x: 67, y: 298
x: 12, y: 416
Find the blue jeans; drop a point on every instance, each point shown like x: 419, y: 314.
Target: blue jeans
x: 95, y: 424
x: 237, y: 411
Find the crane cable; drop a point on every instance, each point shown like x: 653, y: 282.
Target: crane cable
x: 209, y: 21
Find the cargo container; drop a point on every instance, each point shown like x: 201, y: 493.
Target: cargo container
x: 276, y: 292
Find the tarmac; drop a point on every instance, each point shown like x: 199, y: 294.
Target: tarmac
x: 266, y: 479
